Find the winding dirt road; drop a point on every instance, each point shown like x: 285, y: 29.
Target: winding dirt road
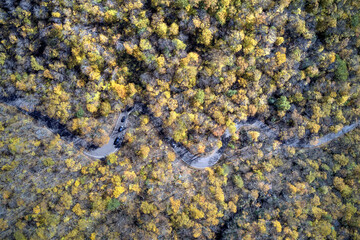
x: 211, y: 159
x: 195, y: 161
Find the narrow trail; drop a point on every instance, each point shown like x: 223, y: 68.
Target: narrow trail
x: 327, y: 138
x: 195, y: 161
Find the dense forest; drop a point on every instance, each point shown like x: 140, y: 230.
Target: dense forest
x: 200, y: 67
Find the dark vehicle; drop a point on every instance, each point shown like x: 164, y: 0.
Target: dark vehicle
x: 129, y: 109
x: 173, y: 144
x: 121, y: 128
x: 117, y: 141
x: 123, y: 119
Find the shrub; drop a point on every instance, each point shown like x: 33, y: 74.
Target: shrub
x: 113, y: 204
x: 282, y: 104
x: 19, y: 236
x: 80, y: 113
x: 231, y: 93
x: 35, y: 65
x: 355, y: 20
x: 199, y: 96
x: 2, y: 58
x: 341, y: 71
x: 238, y: 181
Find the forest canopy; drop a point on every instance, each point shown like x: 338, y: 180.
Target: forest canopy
x: 200, y: 66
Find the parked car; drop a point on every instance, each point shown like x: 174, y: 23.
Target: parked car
x: 173, y: 144
x: 123, y: 119
x: 121, y: 128
x: 117, y: 141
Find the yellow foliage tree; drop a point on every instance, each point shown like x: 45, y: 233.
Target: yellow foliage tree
x: 175, y: 205
x: 195, y: 213
x: 120, y: 90
x: 77, y: 210
x: 277, y: 226
x: 148, y: 208
x: 144, y: 151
